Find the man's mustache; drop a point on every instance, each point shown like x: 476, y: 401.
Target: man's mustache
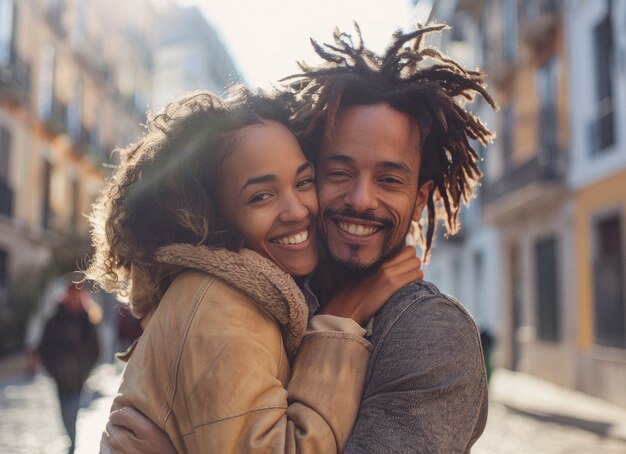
x: 352, y: 213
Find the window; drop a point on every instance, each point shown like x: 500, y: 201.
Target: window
x: 547, y: 89
x: 46, y: 82
x: 609, y: 306
x: 4, y: 277
x: 547, y: 288
x: 74, y: 112
x: 46, y: 217
x: 510, y: 30
x: 602, y: 126
x: 6, y: 31
x: 6, y: 192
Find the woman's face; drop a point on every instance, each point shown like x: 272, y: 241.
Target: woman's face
x: 267, y: 192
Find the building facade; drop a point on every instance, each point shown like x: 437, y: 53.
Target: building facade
x: 597, y: 177
x: 554, y: 188
x: 76, y: 78
x: 188, y: 55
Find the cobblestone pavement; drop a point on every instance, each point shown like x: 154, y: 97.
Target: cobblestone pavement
x: 511, y: 432
x: 30, y: 423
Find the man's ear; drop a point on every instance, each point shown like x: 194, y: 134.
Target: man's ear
x: 422, y: 197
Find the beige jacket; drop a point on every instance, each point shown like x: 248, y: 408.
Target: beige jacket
x: 212, y: 368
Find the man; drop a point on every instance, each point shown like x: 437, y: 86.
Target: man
x: 389, y: 138
x: 68, y: 350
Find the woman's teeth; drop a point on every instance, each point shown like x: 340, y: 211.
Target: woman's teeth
x: 293, y: 239
x: 357, y: 229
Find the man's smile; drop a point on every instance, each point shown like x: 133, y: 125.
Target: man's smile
x: 357, y: 229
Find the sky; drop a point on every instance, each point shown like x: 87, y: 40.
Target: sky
x: 266, y: 37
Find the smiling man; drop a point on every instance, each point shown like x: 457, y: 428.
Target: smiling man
x: 390, y: 136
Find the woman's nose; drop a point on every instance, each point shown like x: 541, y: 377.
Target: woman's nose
x: 293, y: 209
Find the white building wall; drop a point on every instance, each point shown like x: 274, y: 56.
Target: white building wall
x: 582, y: 16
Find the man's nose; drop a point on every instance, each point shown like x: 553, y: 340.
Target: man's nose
x: 362, y: 195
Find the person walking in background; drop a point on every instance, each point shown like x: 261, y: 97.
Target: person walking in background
x: 69, y: 349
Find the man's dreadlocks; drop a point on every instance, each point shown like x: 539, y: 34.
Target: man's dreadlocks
x: 432, y: 95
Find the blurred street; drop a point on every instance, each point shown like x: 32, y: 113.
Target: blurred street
x: 527, y: 415
x: 31, y: 421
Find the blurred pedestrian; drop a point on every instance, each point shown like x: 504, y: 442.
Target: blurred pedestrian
x: 69, y: 349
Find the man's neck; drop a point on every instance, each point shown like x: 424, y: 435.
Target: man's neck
x: 328, y: 275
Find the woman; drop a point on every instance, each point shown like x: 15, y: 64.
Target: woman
x: 211, y: 217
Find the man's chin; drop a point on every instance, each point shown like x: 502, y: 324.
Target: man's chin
x: 355, y: 268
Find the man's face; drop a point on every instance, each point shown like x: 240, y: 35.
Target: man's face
x: 368, y: 185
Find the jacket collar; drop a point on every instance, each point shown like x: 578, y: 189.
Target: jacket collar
x: 270, y: 287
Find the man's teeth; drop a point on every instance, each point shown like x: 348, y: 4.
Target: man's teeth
x: 357, y: 229
x: 294, y: 239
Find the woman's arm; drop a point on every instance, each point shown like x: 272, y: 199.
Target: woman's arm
x: 314, y: 414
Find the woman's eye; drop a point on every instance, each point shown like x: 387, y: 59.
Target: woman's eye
x: 305, y: 183
x: 260, y: 197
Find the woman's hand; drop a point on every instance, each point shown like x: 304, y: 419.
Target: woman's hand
x: 130, y: 432
x: 360, y: 300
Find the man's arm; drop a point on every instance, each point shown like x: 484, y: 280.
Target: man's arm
x: 426, y: 388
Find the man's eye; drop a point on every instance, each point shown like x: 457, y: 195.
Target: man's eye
x: 390, y: 180
x: 338, y: 173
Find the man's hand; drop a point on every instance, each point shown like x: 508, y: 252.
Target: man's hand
x: 130, y: 432
x: 362, y: 299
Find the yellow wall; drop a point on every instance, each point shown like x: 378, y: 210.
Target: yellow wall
x: 597, y: 199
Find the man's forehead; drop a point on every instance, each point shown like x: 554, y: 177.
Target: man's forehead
x: 377, y: 131
x: 381, y: 118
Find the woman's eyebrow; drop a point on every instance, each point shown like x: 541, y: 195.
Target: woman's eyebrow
x: 303, y: 167
x: 271, y: 177
x: 257, y: 180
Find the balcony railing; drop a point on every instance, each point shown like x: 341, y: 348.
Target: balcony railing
x: 544, y: 167
x: 15, y: 78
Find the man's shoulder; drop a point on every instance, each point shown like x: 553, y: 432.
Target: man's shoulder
x: 420, y: 310
x: 419, y: 299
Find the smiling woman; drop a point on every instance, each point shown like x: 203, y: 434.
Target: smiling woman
x: 273, y: 206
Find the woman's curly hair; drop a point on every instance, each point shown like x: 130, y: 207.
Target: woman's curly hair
x: 433, y: 95
x: 163, y: 190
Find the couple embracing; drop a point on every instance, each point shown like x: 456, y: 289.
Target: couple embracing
x: 261, y: 239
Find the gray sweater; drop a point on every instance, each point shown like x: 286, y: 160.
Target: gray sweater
x: 426, y: 387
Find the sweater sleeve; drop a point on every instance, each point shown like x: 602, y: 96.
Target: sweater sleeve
x: 426, y: 386
x: 326, y: 322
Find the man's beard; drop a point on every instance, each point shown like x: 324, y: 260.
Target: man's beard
x: 353, y: 267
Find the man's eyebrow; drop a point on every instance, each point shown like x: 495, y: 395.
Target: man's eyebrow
x: 257, y: 180
x: 389, y: 165
x: 395, y: 165
x: 342, y: 158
